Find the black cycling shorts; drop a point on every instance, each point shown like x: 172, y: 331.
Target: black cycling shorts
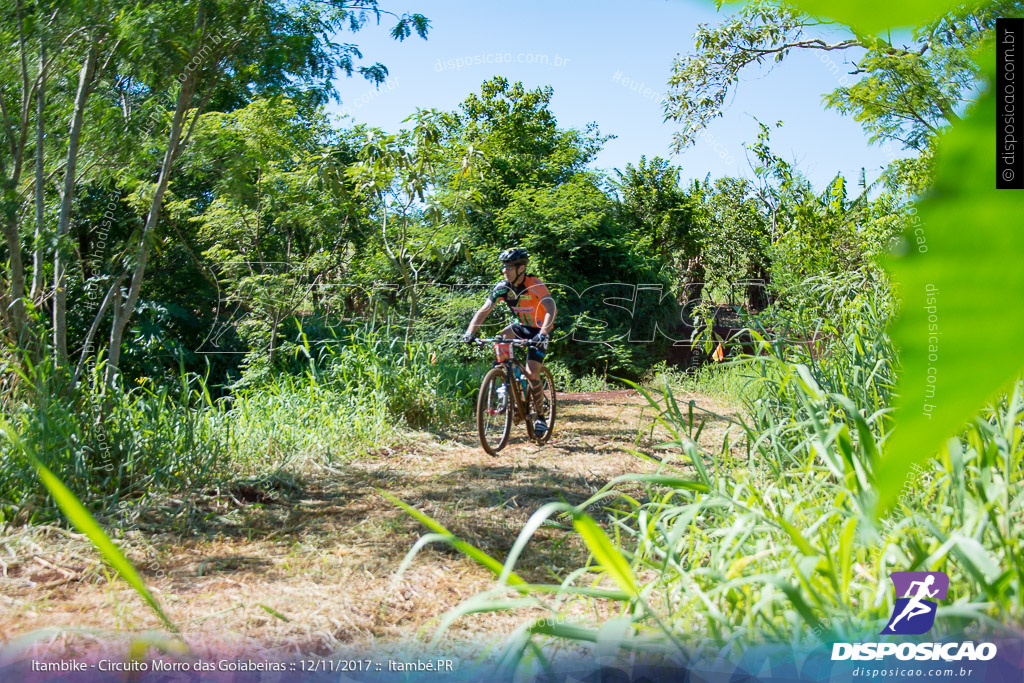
x: 529, y: 332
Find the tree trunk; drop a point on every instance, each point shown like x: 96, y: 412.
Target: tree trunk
x: 110, y: 296
x: 16, y: 282
x: 757, y: 289
x: 9, y: 199
x: 37, y: 247
x: 60, y: 327
x: 123, y: 312
x: 694, y: 284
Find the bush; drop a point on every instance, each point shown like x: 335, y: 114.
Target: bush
x: 109, y: 446
x: 566, y: 381
x: 364, y: 389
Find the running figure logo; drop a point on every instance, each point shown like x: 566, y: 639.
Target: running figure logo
x: 913, y: 613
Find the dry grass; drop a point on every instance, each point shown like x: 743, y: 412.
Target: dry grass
x: 323, y: 553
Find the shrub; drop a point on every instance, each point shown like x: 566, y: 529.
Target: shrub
x: 108, y: 445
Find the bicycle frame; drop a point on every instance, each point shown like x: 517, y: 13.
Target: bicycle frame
x: 495, y: 413
x: 510, y: 364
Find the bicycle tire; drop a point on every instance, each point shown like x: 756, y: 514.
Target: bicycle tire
x: 485, y: 402
x: 548, y: 388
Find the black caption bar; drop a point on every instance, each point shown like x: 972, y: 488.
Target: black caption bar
x: 1009, y: 84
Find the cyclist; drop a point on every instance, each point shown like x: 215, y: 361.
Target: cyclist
x: 530, y: 300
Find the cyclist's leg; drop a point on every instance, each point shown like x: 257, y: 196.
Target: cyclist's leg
x: 536, y: 387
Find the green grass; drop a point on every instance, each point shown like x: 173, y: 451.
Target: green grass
x: 109, y: 446
x: 727, y: 381
x: 772, y: 537
x: 566, y: 381
x: 114, y: 447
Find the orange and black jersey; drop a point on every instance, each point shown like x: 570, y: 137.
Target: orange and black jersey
x: 525, y: 300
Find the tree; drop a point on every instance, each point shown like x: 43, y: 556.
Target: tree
x: 586, y: 255
x: 906, y: 93
x: 402, y: 173
x: 28, y: 30
x: 811, y: 234
x: 158, y: 67
x: 275, y: 228
x: 280, y: 32
x: 517, y: 138
x: 658, y: 216
x: 734, y: 237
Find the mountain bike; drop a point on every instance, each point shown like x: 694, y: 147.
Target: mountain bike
x: 504, y: 399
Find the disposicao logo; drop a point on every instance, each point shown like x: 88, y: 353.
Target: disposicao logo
x: 912, y: 615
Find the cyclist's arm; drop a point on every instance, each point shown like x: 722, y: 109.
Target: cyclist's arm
x: 549, y: 315
x: 480, y: 316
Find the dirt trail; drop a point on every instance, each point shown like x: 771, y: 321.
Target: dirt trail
x: 232, y: 569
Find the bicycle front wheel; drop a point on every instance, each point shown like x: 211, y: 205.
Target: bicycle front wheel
x: 547, y: 407
x: 494, y: 411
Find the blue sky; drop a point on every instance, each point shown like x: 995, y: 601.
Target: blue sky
x: 578, y: 49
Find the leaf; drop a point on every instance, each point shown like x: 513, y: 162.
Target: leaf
x: 869, y: 16
x: 972, y: 264
x: 846, y: 552
x: 534, y: 523
x: 805, y: 547
x: 969, y: 258
x: 974, y: 553
x: 662, y: 480
x: 805, y: 612
x: 807, y: 382
x: 564, y: 630
x: 271, y: 610
x: 608, y: 557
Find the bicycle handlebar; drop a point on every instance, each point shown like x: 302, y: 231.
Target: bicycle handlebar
x: 503, y: 340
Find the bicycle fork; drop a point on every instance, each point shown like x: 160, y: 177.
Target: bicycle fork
x: 515, y: 396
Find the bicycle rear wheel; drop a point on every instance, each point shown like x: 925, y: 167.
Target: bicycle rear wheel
x: 547, y: 407
x: 494, y: 411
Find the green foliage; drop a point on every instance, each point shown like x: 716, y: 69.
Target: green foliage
x: 420, y: 209
x: 566, y: 381
x: 959, y: 273
x: 343, y: 396
x: 877, y: 15
x: 700, y: 83
x: 953, y: 293
x: 581, y: 251
x: 657, y: 214
x: 115, y: 448
x: 280, y: 214
x: 134, y: 80
x: 735, y: 237
x: 728, y: 382
x: 518, y: 135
